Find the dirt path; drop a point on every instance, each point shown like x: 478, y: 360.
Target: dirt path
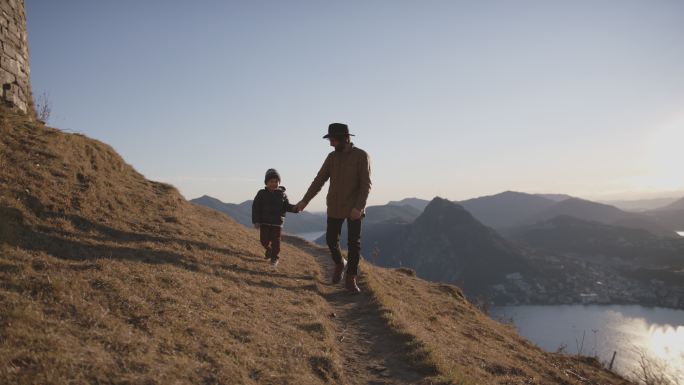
x: 372, y: 353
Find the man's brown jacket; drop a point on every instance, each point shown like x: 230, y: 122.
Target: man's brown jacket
x: 350, y: 183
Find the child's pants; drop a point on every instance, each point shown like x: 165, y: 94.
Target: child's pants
x: 270, y: 239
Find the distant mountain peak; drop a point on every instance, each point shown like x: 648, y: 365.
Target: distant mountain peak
x: 418, y: 203
x: 447, y: 243
x: 555, y: 197
x: 444, y: 212
x: 506, y: 194
x: 511, y: 192
x: 439, y: 203
x: 507, y: 208
x: 205, y: 196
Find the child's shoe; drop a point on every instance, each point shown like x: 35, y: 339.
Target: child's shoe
x: 274, y: 262
x: 268, y: 254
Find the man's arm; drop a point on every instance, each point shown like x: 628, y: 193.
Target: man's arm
x: 318, y: 182
x: 364, y: 172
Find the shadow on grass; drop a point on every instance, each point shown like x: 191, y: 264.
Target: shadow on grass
x: 81, y: 247
x: 273, y: 274
x: 111, y: 234
x: 269, y: 284
x: 70, y: 249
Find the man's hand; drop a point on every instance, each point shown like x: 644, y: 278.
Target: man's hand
x: 355, y: 214
x: 256, y: 226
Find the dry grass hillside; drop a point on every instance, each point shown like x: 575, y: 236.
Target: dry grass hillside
x: 108, y: 278
x: 468, y: 346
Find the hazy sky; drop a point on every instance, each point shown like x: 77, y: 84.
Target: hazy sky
x: 450, y: 98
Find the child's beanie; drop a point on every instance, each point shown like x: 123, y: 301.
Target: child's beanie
x: 271, y: 174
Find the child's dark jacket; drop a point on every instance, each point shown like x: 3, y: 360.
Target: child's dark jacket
x: 269, y: 207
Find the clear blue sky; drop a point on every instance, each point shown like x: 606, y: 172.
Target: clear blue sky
x: 450, y: 98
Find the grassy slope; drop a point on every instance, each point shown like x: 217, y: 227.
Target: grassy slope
x: 106, y: 277
x: 464, y: 344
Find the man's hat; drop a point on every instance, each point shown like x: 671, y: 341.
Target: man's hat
x: 337, y: 129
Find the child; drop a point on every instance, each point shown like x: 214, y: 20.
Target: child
x: 268, y: 214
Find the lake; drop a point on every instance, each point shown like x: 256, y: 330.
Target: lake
x: 657, y: 332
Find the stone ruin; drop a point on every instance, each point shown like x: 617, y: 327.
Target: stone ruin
x: 14, y: 57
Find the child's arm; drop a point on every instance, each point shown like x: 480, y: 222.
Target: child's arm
x: 256, y: 209
x: 288, y: 207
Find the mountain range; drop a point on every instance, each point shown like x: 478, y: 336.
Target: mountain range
x: 598, y: 212
x: 504, y: 212
x: 444, y: 243
x: 511, y: 209
x: 676, y: 205
x: 447, y: 244
x: 599, y: 242
x: 311, y: 222
x: 672, y: 219
x: 480, y: 242
x: 671, y: 216
x: 507, y: 209
x: 395, y: 213
x: 556, y: 243
x: 242, y: 213
x: 640, y: 205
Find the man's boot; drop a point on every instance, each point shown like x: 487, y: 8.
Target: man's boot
x: 339, y: 270
x: 350, y: 284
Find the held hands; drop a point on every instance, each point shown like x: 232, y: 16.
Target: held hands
x: 355, y: 214
x: 257, y: 226
x: 300, y: 206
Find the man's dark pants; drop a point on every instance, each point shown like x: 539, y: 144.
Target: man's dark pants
x: 332, y: 237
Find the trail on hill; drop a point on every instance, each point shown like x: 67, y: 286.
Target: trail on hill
x: 371, y: 352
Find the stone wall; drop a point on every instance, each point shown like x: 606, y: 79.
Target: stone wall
x: 14, y: 57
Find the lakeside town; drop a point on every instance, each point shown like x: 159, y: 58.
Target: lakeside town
x: 574, y: 281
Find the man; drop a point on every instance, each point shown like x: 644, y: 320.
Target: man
x: 348, y: 168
